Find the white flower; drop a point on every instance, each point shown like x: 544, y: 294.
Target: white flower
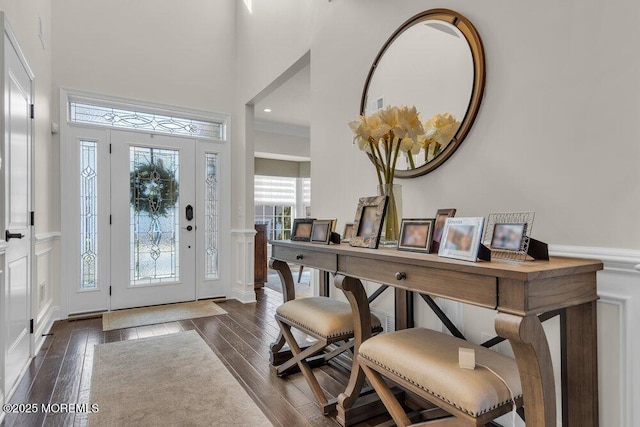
x: 441, y: 128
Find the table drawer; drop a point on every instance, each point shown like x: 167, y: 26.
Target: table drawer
x: 465, y: 287
x: 309, y: 258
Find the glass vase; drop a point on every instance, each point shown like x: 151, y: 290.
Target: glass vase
x: 393, y: 216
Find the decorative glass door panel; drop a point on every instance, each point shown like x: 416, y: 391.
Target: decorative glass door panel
x: 211, y: 216
x: 154, y: 211
x: 153, y: 231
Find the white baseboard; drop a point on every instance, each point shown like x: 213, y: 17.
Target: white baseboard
x: 45, y: 322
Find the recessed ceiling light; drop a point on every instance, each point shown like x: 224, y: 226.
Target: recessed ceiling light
x: 267, y: 110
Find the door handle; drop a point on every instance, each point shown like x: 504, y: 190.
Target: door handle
x: 8, y: 235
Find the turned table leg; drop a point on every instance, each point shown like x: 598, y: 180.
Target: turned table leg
x: 531, y: 349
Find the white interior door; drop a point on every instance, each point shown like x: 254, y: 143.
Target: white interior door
x: 153, y: 226
x: 17, y: 207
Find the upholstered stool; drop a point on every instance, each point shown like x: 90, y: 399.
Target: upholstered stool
x: 425, y: 362
x: 327, y: 320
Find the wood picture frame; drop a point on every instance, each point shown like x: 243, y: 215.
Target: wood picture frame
x: 321, y: 231
x: 348, y: 232
x: 368, y: 222
x: 416, y: 234
x: 461, y: 238
x: 301, y: 229
x: 438, y: 227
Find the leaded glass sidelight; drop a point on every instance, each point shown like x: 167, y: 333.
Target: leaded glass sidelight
x: 88, y: 215
x: 154, y: 215
x: 211, y: 216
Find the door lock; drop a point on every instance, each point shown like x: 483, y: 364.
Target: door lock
x: 188, y: 227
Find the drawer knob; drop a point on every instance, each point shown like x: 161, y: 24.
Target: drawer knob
x: 401, y: 275
x: 299, y: 256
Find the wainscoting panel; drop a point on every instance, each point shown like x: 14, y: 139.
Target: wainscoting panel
x: 242, y: 242
x: 45, y: 286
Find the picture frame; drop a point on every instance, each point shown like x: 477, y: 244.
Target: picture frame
x: 416, y: 234
x: 321, y: 231
x: 301, y: 229
x: 508, y: 235
x: 438, y: 227
x: 334, y: 222
x: 461, y: 238
x: 348, y: 232
x: 368, y: 222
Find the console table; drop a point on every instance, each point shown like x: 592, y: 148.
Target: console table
x: 518, y: 291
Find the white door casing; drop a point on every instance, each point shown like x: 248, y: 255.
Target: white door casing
x: 208, y: 268
x: 18, y: 81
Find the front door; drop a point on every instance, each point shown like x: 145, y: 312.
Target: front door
x: 16, y: 164
x: 153, y: 219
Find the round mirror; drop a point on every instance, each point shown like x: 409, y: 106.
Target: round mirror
x: 434, y: 61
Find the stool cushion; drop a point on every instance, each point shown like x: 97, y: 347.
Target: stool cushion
x: 323, y: 316
x: 429, y: 360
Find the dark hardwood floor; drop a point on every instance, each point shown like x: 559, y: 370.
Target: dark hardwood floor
x: 61, y: 371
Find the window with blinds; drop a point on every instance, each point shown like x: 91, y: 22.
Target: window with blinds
x: 278, y: 200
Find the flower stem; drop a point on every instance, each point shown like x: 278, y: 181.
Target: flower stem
x: 395, y: 160
x: 376, y: 158
x: 411, y: 162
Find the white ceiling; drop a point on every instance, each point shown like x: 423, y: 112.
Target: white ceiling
x: 289, y: 103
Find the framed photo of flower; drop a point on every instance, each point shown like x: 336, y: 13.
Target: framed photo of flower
x: 441, y: 217
x: 461, y: 238
x: 416, y: 234
x: 348, y: 232
x: 301, y: 229
x: 368, y: 222
x: 321, y: 231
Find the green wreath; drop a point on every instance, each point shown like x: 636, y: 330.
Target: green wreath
x: 154, y: 188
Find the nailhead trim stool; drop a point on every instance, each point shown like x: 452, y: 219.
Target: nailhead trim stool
x: 328, y: 321
x: 425, y: 362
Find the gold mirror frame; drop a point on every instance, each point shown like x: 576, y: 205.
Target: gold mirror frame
x: 477, y: 52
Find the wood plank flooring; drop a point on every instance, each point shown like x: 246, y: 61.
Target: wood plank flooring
x: 61, y: 371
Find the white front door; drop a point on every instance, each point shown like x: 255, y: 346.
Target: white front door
x: 153, y: 224
x: 16, y: 163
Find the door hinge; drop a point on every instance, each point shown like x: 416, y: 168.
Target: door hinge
x: 31, y: 326
x: 110, y: 218
x: 32, y: 111
x: 33, y: 218
x: 109, y: 290
x: 109, y: 148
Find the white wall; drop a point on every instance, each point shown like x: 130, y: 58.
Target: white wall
x: 151, y: 51
x: 545, y: 138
